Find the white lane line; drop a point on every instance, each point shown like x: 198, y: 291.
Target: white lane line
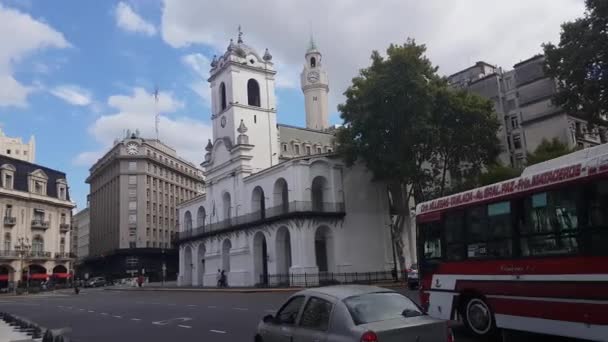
x: 91, y: 311
x: 212, y: 307
x: 270, y: 310
x: 218, y: 331
x: 104, y: 314
x: 241, y: 309
x: 116, y: 316
x: 135, y: 319
x: 81, y: 309
x: 60, y: 306
x: 191, y: 305
x: 184, y: 326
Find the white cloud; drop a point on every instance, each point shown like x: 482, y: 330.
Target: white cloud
x: 457, y: 33
x: 72, y: 94
x: 200, y: 65
x: 20, y: 36
x: 130, y: 21
x: 137, y: 111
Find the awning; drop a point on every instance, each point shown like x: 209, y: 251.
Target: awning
x: 3, y: 277
x: 62, y: 275
x: 38, y: 276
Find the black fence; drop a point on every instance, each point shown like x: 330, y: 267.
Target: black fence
x: 325, y: 278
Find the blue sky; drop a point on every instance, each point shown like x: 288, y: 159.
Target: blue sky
x: 76, y: 74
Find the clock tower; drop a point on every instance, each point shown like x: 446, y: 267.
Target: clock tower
x: 315, y: 87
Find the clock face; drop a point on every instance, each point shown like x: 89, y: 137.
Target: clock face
x: 132, y: 148
x: 223, y: 121
x: 313, y: 77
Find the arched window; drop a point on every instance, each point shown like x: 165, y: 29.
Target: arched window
x: 7, y: 242
x: 258, y: 203
x: 187, y: 221
x: 62, y: 245
x: 226, y: 206
x: 37, y: 244
x: 223, y: 95
x: 253, y: 93
x: 200, y: 217
x: 313, y: 62
x: 318, y: 195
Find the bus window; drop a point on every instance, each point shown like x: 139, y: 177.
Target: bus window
x: 454, y: 235
x: 431, y: 239
x: 489, y: 231
x: 551, y: 224
x: 598, y: 217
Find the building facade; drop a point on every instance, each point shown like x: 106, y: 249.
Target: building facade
x: 522, y: 99
x: 15, y: 148
x: 81, y: 233
x: 276, y: 203
x: 36, y: 211
x: 134, y: 191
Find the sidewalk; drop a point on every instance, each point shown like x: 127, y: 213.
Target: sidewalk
x: 175, y: 288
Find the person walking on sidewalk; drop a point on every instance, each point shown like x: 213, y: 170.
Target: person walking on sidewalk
x: 140, y: 280
x: 218, y: 278
x: 224, y: 280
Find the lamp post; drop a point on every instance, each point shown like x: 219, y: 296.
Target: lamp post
x: 23, y: 247
x: 163, y: 267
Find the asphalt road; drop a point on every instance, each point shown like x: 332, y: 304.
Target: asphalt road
x: 98, y: 315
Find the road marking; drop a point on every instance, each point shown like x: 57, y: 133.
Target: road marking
x: 218, y: 331
x: 241, y: 309
x: 116, y: 316
x: 135, y: 319
x: 60, y: 306
x: 270, y: 310
x: 81, y: 309
x: 191, y: 305
x: 184, y: 326
x: 212, y: 307
x: 176, y: 320
x: 104, y: 314
x: 91, y: 311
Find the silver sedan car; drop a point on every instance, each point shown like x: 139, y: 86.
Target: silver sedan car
x: 351, y: 313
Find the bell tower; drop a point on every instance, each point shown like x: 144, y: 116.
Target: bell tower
x: 315, y: 87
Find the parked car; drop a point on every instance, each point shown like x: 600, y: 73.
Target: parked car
x: 413, y: 280
x: 351, y: 313
x: 95, y: 282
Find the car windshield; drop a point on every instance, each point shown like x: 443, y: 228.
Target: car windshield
x: 374, y: 307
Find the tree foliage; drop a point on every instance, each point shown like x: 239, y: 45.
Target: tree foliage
x: 548, y: 150
x: 580, y: 63
x: 497, y: 173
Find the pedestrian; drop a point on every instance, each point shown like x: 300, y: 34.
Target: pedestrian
x: 224, y: 280
x: 140, y: 280
x: 219, y: 278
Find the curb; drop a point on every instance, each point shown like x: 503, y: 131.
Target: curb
x: 234, y: 290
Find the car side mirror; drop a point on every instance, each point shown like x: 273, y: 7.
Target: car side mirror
x: 269, y: 319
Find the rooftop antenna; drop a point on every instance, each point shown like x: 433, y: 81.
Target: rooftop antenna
x: 157, y: 114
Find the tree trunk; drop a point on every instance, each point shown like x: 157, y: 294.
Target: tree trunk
x: 444, y: 172
x: 400, y: 217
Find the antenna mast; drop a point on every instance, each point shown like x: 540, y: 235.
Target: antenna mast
x: 157, y: 114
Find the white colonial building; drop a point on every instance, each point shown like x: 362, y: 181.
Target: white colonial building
x: 277, y: 200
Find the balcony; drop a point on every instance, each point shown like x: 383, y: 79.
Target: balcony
x: 40, y: 224
x: 37, y: 255
x: 9, y: 254
x: 10, y: 221
x: 65, y: 255
x: 64, y: 227
x: 285, y: 211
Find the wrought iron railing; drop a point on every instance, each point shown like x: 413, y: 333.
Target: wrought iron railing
x: 325, y: 278
x: 64, y: 227
x: 9, y: 254
x: 40, y: 224
x: 38, y: 254
x: 261, y: 215
x: 65, y: 255
x: 10, y: 221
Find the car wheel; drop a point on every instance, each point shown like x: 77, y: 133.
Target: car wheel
x: 478, y: 317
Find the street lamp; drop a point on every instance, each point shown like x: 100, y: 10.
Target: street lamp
x: 23, y: 247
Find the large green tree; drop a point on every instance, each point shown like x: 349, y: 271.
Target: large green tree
x: 580, y: 63
x: 404, y: 124
x: 548, y: 149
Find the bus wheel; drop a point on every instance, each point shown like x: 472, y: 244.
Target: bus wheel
x: 478, y: 317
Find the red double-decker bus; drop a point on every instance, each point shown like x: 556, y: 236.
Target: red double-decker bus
x: 528, y: 254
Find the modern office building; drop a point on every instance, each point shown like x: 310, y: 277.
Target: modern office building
x: 134, y: 190
x: 523, y: 101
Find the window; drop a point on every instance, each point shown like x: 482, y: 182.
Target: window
x: 8, y: 151
x: 148, y: 244
x: 132, y: 244
x: 431, y: 239
x: 223, y: 96
x: 132, y: 218
x: 313, y: 62
x: 62, y: 218
x: 148, y: 231
x: 510, y: 105
x: 319, y: 150
x: 132, y: 205
x: 314, y: 98
x: 38, y: 187
x: 308, y: 152
x: 598, y: 218
x: 8, y: 181
x: 454, y: 235
x: 61, y: 192
x: 132, y: 180
x: 517, y: 141
x: 551, y: 223
x: 316, y: 314
x: 253, y: 93
x: 289, y: 311
x: 7, y: 242
x: 132, y: 192
x: 62, y: 245
x: 514, y: 122
x: 489, y: 230
x: 383, y: 306
x: 132, y: 166
x: 37, y: 244
x: 9, y: 211
x: 255, y: 119
x: 329, y: 149
x: 39, y: 215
